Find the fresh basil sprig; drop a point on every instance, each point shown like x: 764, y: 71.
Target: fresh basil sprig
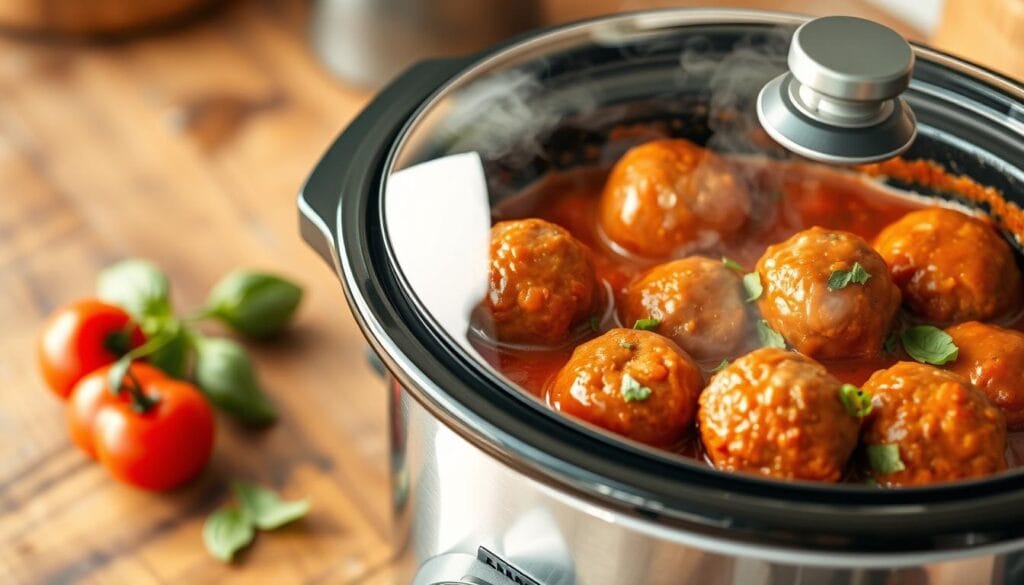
x: 632, y: 390
x: 752, y: 285
x: 231, y: 528
x: 885, y: 458
x: 929, y: 345
x: 768, y: 336
x: 840, y: 279
x: 139, y: 287
x: 227, y: 531
x: 225, y: 374
x: 255, y: 304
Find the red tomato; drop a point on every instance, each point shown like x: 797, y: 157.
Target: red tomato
x: 92, y: 393
x: 163, y: 447
x: 80, y: 337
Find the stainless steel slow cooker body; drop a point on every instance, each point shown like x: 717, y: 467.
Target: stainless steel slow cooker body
x: 488, y: 483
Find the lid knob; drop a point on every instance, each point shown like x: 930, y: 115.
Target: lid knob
x: 840, y: 101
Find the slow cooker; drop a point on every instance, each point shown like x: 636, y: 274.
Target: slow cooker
x: 492, y: 487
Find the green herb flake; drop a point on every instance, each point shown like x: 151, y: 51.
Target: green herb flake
x: 840, y: 279
x: 885, y: 459
x: 595, y: 325
x: 733, y: 265
x: 627, y: 345
x: 768, y: 336
x: 929, y: 345
x: 265, y: 508
x: 633, y: 391
x: 892, y: 342
x: 752, y: 284
x: 721, y: 366
x: 227, y: 531
x: 856, y: 400
x: 648, y: 324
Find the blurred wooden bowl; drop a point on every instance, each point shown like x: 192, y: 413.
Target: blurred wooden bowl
x: 92, y: 17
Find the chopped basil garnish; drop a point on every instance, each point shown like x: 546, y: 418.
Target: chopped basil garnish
x: 646, y: 324
x: 632, y: 391
x: 840, y: 279
x: 720, y: 367
x: 627, y: 345
x: 856, y: 400
x: 885, y: 459
x: 768, y: 336
x: 752, y: 284
x: 733, y: 265
x: 595, y: 325
x: 929, y: 345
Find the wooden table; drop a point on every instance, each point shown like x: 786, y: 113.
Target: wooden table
x: 185, y: 147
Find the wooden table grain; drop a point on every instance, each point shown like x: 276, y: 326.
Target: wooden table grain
x: 186, y: 147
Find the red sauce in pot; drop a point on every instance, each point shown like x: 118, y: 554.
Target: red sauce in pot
x: 786, y: 198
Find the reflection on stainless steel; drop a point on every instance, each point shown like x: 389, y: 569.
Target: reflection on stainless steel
x: 368, y: 42
x: 462, y: 499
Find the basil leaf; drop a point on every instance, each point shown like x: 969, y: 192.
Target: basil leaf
x: 137, y: 286
x: 856, y: 400
x: 633, y: 391
x: 891, y: 342
x: 840, y: 279
x: 752, y: 284
x: 885, y: 459
x: 266, y: 509
x: 254, y: 304
x: 929, y: 345
x: 227, y: 531
x: 225, y: 374
x: 646, y: 324
x: 858, y: 274
x: 175, y: 356
x: 768, y: 336
x: 721, y: 366
x: 733, y: 265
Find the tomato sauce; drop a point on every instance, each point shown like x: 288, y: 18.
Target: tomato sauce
x: 788, y: 197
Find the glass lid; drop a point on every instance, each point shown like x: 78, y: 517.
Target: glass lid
x: 595, y: 216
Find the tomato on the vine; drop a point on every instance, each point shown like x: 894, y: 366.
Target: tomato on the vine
x: 80, y: 337
x: 92, y: 393
x: 159, y: 437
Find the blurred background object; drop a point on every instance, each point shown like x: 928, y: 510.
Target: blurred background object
x: 368, y: 42
x: 93, y: 17
x: 989, y: 32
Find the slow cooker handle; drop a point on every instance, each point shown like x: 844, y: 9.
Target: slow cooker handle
x: 354, y: 162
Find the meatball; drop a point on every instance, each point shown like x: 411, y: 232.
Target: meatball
x: 951, y: 267
x: 634, y: 383
x: 699, y: 302
x: 667, y: 193
x: 943, y: 427
x: 542, y: 282
x: 816, y: 315
x: 777, y: 413
x: 992, y: 358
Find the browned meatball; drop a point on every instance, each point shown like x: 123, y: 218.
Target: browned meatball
x: 950, y: 266
x: 815, y: 318
x: 699, y: 302
x: 664, y: 194
x: 542, y: 282
x: 634, y: 383
x: 777, y: 413
x: 943, y: 427
x: 992, y: 358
